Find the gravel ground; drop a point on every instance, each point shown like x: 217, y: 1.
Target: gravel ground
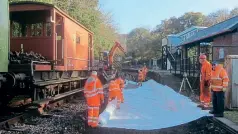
x: 64, y: 120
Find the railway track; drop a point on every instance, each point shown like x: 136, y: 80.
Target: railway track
x: 6, y: 124
x: 38, y: 108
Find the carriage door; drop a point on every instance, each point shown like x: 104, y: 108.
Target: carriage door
x: 59, y: 40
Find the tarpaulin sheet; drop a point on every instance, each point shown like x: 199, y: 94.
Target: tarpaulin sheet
x: 153, y: 106
x: 108, y: 112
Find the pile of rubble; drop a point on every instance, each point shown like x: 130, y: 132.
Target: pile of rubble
x: 25, y: 57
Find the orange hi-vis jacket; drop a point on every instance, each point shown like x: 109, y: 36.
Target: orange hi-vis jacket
x: 140, y: 76
x: 120, y: 81
x: 114, y: 90
x: 206, y: 71
x: 144, y: 70
x: 93, y: 91
x: 219, y: 79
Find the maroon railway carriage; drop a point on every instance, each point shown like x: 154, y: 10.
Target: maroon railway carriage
x: 51, y: 53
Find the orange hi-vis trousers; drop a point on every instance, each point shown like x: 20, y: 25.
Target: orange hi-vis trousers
x: 205, y: 94
x: 114, y: 95
x: 93, y: 115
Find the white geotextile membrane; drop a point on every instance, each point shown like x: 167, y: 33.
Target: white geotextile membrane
x: 152, y: 106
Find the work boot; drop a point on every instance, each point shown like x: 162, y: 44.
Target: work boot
x: 99, y: 124
x: 206, y: 107
x: 200, y: 105
x: 88, y: 126
x: 218, y: 115
x: 211, y: 112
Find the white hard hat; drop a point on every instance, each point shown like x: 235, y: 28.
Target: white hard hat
x: 94, y: 73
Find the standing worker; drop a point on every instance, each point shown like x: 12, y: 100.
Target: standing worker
x: 219, y: 84
x: 140, y: 77
x: 114, y: 92
x: 205, y: 76
x: 120, y: 81
x: 144, y: 70
x: 93, y: 91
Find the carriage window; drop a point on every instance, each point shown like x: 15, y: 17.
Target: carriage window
x: 36, y: 29
x: 19, y: 30
x: 77, y: 40
x: 90, y: 40
x: 48, y: 29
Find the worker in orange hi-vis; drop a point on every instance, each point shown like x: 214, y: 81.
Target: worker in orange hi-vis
x: 114, y: 92
x: 205, y: 77
x: 145, y: 71
x: 140, y: 77
x: 93, y: 92
x: 121, y: 83
x: 219, y: 84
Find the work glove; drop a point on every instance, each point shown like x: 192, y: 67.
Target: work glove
x: 224, y: 89
x: 206, y: 83
x: 210, y: 88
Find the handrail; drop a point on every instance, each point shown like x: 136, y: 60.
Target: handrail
x: 171, y: 54
x: 188, y: 65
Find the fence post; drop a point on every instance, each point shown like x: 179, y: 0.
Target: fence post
x: 181, y: 66
x: 185, y: 63
x: 175, y: 68
x: 170, y: 66
x: 189, y: 66
x: 193, y: 66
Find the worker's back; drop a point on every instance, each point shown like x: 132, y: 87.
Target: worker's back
x: 140, y: 76
x: 145, y: 69
x: 120, y: 81
x: 114, y: 88
x: 92, y: 91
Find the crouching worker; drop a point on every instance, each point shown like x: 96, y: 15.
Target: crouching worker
x: 219, y: 84
x: 93, y: 92
x: 121, y: 83
x: 114, y: 92
x: 140, y: 78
